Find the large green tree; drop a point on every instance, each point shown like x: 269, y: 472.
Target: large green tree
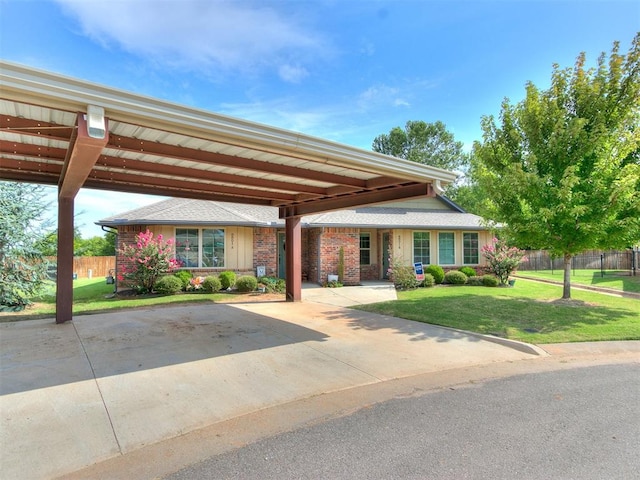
x: 23, y: 269
x: 422, y: 142
x: 561, y: 169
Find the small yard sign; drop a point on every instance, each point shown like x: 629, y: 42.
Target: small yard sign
x: 417, y: 267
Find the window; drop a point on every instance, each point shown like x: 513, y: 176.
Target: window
x: 365, y: 249
x: 446, y: 248
x: 200, y: 247
x: 421, y: 245
x: 470, y: 248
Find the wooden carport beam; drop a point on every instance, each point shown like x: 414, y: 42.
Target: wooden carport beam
x: 82, y: 155
x: 293, y: 259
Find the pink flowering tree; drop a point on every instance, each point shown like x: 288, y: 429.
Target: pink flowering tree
x: 502, y: 259
x: 146, y: 261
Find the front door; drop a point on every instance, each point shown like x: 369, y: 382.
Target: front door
x: 385, y: 255
x: 281, y: 257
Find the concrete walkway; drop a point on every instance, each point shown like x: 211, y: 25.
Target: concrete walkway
x: 108, y: 384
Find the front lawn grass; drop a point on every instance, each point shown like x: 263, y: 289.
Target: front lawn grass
x: 616, y: 279
x: 94, y: 295
x: 531, y: 312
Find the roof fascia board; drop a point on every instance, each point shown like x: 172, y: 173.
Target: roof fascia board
x: 22, y: 83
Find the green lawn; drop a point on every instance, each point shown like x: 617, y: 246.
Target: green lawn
x: 531, y: 312
x: 95, y: 295
x: 618, y: 280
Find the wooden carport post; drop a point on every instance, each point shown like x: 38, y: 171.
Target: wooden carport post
x: 293, y: 258
x: 85, y: 147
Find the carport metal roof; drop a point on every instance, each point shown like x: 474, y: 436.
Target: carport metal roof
x: 157, y: 147
x: 62, y: 131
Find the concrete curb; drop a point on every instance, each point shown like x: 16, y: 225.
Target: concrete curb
x: 505, y: 342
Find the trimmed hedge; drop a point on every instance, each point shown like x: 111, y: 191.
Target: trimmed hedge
x: 227, y: 279
x: 437, y: 272
x: 185, y: 276
x: 247, y: 283
x: 455, y: 277
x: 428, y: 281
x: 468, y: 271
x: 168, y: 285
x: 490, y: 281
x: 211, y: 284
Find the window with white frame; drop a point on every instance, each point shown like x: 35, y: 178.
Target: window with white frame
x: 446, y: 248
x: 422, y: 247
x: 365, y: 249
x: 200, y: 247
x: 470, y: 248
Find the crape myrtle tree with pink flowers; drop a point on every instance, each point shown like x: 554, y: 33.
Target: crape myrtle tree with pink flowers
x: 502, y: 260
x: 560, y: 170
x: 145, y: 261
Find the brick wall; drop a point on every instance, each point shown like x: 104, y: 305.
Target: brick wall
x: 331, y: 240
x: 313, y: 238
x: 265, y: 250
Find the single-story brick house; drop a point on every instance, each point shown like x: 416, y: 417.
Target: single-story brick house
x: 213, y: 236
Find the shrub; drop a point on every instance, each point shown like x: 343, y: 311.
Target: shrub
x: 502, y: 259
x: 227, y: 279
x: 437, y: 272
x: 146, y: 261
x: 476, y: 281
x: 246, y: 283
x: 185, y: 277
x: 273, y: 285
x: 211, y: 284
x: 455, y: 277
x: 490, y: 281
x: 428, y: 281
x: 468, y: 271
x: 403, y: 276
x: 168, y: 285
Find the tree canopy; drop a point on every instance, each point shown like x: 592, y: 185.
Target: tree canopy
x: 422, y: 142
x: 22, y: 267
x: 561, y: 169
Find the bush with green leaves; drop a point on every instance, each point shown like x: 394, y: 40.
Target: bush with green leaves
x: 168, y: 285
x: 428, y: 281
x: 185, y: 277
x: 455, y: 277
x: 273, y: 284
x: 211, y: 284
x: 403, y: 276
x: 468, y: 271
x: 227, y: 279
x: 475, y: 281
x: 145, y: 261
x: 490, y: 281
x: 502, y: 259
x: 247, y: 283
x: 437, y: 272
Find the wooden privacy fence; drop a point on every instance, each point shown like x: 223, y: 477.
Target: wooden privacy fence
x: 590, y: 259
x: 85, y: 267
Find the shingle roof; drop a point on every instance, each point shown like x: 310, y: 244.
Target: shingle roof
x: 177, y: 211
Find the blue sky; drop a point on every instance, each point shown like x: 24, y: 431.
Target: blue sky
x: 345, y: 70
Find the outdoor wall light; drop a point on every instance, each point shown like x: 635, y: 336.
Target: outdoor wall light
x: 95, y: 122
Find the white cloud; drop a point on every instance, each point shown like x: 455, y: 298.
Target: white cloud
x: 203, y: 35
x: 292, y: 74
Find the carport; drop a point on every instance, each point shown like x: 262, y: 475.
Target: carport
x: 62, y: 131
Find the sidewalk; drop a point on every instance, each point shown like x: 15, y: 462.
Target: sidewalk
x: 108, y: 384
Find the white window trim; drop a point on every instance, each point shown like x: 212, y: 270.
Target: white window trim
x: 368, y: 234
x: 454, y: 246
x: 478, y: 237
x: 413, y: 245
x: 200, y: 246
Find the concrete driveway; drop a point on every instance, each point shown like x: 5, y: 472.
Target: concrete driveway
x: 107, y: 384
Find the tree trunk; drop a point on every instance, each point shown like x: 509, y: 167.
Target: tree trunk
x: 566, y: 289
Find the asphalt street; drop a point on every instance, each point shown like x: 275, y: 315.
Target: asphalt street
x: 581, y: 423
